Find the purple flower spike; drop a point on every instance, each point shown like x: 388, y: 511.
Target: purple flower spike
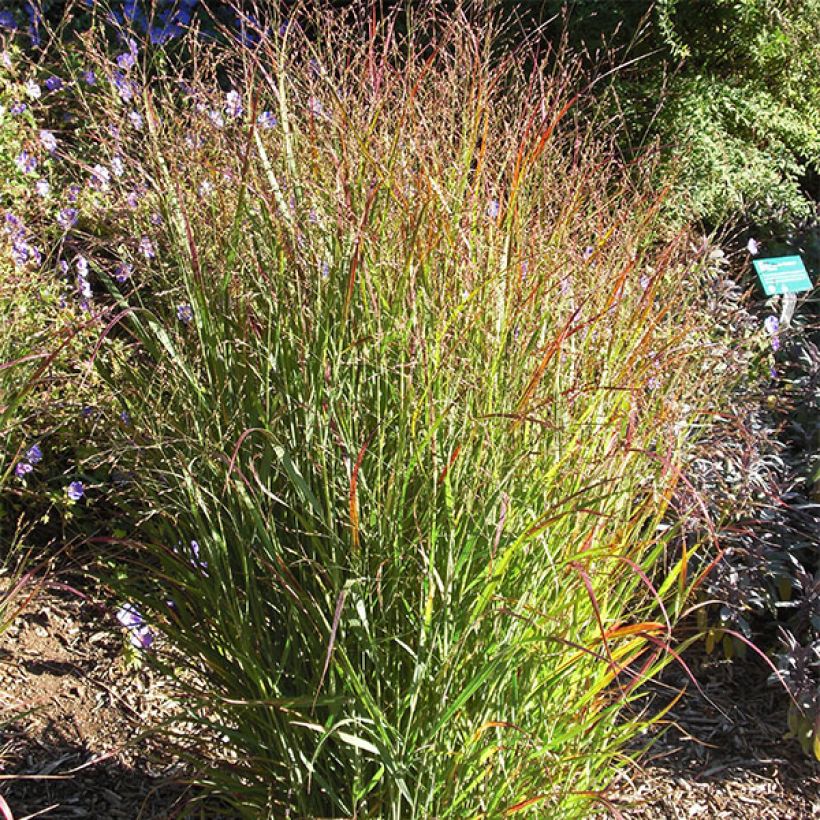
x: 185, y: 313
x: 23, y: 469
x: 76, y: 490
x: 89, y: 77
x: 122, y: 273
x: 771, y: 325
x: 34, y: 454
x: 493, y: 209
x: 18, y: 108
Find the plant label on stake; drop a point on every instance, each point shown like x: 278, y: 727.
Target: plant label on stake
x: 784, y: 275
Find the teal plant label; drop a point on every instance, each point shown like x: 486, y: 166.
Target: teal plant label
x: 782, y: 274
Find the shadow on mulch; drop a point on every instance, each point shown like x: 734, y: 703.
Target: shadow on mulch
x: 722, y: 752
x: 57, y: 778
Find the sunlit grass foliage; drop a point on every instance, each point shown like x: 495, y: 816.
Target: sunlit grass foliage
x: 414, y: 365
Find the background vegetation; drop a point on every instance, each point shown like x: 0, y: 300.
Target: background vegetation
x: 375, y: 372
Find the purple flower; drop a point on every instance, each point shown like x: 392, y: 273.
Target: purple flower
x: 117, y: 166
x: 771, y: 325
x: 125, y: 417
x: 27, y: 163
x: 140, y: 635
x: 136, y: 120
x: 67, y: 218
x: 493, y: 209
x: 588, y: 251
x: 23, y: 253
x: 73, y: 193
x: 132, y: 200
x: 128, y: 615
x: 185, y: 313
x: 84, y: 287
x: 775, y: 343
x: 89, y: 77
x: 62, y: 265
x: 54, y: 83
x: 267, y: 120
x: 22, y: 469
x: 42, y: 187
x: 147, y: 248
x: 76, y: 490
x: 122, y: 272
x: 82, y: 266
x: 233, y: 104
x: 14, y: 225
x: 18, y: 108
x: 216, y: 118
x: 156, y: 218
x: 48, y: 141
x: 125, y: 87
x: 129, y: 58
x: 34, y: 454
x: 7, y: 21
x: 100, y: 177
x: 33, y: 90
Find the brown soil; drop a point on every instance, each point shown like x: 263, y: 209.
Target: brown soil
x: 79, y: 749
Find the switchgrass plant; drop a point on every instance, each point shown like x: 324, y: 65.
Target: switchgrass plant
x: 415, y: 362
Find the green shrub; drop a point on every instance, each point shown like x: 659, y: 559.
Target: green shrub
x: 727, y: 89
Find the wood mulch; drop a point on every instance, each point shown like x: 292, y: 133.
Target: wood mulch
x: 722, y: 752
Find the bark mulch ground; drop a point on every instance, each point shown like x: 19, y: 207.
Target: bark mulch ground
x: 722, y: 753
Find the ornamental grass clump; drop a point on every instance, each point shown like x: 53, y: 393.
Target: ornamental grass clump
x: 415, y: 364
